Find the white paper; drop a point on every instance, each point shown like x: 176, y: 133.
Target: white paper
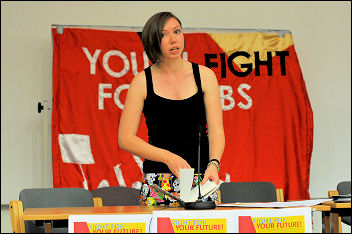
x: 205, y: 190
x: 186, y: 180
x: 187, y: 194
x: 277, y: 204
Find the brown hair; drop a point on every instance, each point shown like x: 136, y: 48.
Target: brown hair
x: 151, y: 34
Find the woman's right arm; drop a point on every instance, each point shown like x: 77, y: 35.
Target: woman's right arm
x: 128, y: 127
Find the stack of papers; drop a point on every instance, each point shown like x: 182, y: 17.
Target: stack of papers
x: 277, y: 204
x: 342, y: 198
x: 205, y: 190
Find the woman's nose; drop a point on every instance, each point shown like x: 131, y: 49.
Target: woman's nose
x: 172, y: 39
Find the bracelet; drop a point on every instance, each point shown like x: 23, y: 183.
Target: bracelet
x: 215, y: 160
x: 212, y: 162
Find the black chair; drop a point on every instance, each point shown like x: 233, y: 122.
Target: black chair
x: 53, y: 197
x: 248, y: 192
x: 344, y: 188
x: 117, y: 196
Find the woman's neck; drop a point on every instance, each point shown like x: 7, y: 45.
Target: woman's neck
x: 171, y: 66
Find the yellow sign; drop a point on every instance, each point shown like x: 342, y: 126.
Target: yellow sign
x: 117, y: 227
x: 286, y: 224
x: 199, y: 225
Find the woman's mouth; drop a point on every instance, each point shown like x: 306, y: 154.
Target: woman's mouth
x: 174, y: 50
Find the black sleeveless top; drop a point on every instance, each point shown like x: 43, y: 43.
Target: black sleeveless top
x: 174, y: 125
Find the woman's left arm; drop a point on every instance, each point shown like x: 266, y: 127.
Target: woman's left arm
x: 213, y: 112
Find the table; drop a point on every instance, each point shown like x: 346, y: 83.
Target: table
x: 334, y: 215
x: 63, y: 213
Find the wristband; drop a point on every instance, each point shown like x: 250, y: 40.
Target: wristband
x: 215, y: 160
x: 215, y: 164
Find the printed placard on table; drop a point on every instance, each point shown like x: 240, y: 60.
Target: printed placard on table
x: 215, y: 221
x: 131, y: 223
x: 285, y: 220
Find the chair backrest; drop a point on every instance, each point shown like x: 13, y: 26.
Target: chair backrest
x: 56, y: 197
x: 344, y: 187
x: 53, y: 197
x: 117, y: 196
x: 248, y: 192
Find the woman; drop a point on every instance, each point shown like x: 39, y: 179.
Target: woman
x: 180, y: 100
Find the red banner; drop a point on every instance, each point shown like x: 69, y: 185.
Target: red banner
x: 268, y: 120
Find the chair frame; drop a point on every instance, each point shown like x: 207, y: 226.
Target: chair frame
x: 16, y: 213
x: 98, y: 201
x: 280, y: 195
x: 336, y: 218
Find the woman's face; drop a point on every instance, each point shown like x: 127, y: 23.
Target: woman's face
x: 172, y: 40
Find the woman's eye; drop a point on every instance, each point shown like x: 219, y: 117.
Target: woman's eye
x: 163, y: 35
x: 177, y: 31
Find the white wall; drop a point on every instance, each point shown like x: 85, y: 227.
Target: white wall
x: 322, y: 37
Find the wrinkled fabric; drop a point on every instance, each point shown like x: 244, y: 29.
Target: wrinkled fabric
x: 168, y: 182
x: 268, y: 120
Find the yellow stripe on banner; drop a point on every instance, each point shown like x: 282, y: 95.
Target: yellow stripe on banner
x: 250, y: 42
x: 117, y: 227
x: 287, y: 224
x: 218, y: 225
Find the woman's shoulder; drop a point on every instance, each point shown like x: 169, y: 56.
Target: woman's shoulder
x: 139, y: 79
x: 205, y: 69
x: 206, y: 74
x: 138, y: 84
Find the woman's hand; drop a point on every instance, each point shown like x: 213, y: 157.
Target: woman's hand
x: 175, y: 163
x: 212, y: 174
